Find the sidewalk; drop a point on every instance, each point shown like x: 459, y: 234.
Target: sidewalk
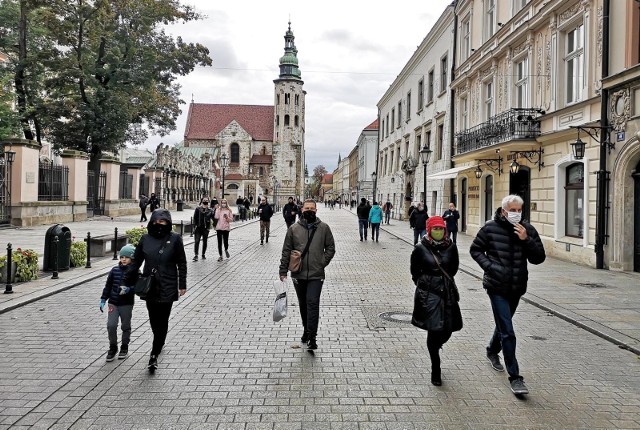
x: 603, y: 302
x: 33, y: 238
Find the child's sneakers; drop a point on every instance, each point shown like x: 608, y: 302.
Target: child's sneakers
x: 111, y: 354
x: 124, y: 352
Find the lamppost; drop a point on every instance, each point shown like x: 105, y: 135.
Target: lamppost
x: 224, y: 163
x: 374, y: 176
x: 425, y: 155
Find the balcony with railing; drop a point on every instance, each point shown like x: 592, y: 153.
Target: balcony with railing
x: 517, y: 124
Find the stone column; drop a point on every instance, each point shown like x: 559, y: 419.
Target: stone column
x: 135, y: 186
x: 24, y: 180
x: 76, y: 161
x: 111, y: 166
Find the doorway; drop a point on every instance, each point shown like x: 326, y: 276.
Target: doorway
x: 636, y: 219
x: 520, y: 184
x: 463, y: 205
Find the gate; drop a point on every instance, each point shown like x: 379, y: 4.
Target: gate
x: 95, y: 197
x: 5, y: 191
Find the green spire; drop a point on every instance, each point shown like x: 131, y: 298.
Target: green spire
x: 289, y: 61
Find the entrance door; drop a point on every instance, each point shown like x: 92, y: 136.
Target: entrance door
x: 463, y: 205
x: 520, y: 184
x: 636, y: 219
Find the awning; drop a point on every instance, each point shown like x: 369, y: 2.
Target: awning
x: 449, y: 173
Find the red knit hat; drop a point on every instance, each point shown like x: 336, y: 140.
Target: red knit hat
x: 436, y: 221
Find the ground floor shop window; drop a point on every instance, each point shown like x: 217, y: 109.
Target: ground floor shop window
x: 488, y: 198
x: 574, y: 201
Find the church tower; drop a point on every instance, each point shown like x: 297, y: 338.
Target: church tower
x: 289, y: 124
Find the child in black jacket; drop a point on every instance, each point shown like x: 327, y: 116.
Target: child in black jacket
x: 121, y: 300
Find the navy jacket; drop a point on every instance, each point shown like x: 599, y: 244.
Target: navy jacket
x: 111, y: 289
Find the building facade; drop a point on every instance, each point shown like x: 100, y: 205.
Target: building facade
x: 367, y: 145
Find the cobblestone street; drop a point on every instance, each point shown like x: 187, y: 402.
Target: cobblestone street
x: 227, y: 365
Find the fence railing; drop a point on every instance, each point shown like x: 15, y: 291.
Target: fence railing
x: 126, y: 185
x: 53, y: 182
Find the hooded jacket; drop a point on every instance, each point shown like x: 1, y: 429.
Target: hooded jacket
x: 321, y: 250
x: 503, y: 256
x: 418, y: 219
x: 363, y: 211
x: 171, y: 263
x: 375, y: 215
x: 289, y: 211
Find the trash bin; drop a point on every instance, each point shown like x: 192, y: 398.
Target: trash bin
x: 64, y: 248
x: 180, y: 205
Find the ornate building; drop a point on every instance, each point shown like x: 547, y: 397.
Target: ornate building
x: 263, y: 145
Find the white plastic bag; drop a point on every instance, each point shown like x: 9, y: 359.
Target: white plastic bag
x: 280, y: 305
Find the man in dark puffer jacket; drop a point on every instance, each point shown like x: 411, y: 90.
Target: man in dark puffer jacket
x: 502, y: 248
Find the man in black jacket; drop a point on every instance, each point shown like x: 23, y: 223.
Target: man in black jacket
x: 363, y: 217
x: 201, y: 225
x: 418, y: 222
x: 289, y: 212
x: 265, y: 212
x: 502, y: 248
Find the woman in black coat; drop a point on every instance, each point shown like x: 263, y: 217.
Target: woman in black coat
x: 162, y: 250
x: 436, y: 298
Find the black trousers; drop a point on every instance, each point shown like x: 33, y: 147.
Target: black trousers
x: 143, y: 214
x: 200, y: 233
x: 435, y: 340
x: 223, y: 236
x: 159, y: 314
x: 289, y: 221
x: 308, y: 293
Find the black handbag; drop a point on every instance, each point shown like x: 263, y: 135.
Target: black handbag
x: 144, y: 284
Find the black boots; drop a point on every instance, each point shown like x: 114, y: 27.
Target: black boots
x: 436, y: 376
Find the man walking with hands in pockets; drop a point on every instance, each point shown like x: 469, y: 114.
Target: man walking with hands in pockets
x: 313, y: 238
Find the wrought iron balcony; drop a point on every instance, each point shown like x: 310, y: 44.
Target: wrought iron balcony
x: 514, y: 124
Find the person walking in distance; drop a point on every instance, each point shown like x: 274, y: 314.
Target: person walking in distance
x: 265, y: 212
x: 162, y: 253
x: 144, y: 202
x: 363, y: 218
x: 289, y: 212
x: 387, y: 211
x: 153, y: 202
x: 418, y: 220
x: 121, y: 300
x: 434, y: 263
x: 224, y: 215
x: 502, y: 248
x: 202, y: 224
x: 375, y: 218
x: 314, y: 236
x: 451, y: 217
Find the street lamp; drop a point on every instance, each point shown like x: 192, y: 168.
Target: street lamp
x: 224, y: 163
x: 425, y: 155
x: 374, y: 176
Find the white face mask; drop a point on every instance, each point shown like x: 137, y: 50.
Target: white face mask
x: 514, y: 217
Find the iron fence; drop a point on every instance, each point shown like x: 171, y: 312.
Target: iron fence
x: 53, y: 182
x: 126, y: 185
x: 513, y: 124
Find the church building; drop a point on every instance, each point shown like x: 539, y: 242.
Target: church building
x: 260, y: 147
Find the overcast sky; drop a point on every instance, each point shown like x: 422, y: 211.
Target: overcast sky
x: 349, y: 53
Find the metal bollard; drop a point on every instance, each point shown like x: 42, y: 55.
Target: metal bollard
x: 191, y: 232
x: 88, y: 239
x: 115, y: 245
x: 181, y: 228
x: 55, y: 251
x: 8, y: 288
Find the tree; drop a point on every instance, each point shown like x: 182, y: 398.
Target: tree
x: 316, y: 180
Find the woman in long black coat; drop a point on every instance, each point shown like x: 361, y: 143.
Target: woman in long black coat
x: 436, y: 298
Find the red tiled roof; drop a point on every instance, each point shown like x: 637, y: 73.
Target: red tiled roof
x: 372, y: 126
x: 261, y: 159
x: 207, y: 120
x: 327, y: 178
x: 233, y: 177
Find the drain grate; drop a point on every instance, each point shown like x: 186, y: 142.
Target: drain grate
x: 591, y: 285
x: 401, y: 317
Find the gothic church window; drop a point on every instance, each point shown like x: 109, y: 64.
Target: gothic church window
x: 296, y: 121
x: 297, y: 100
x: 235, y: 153
x: 286, y: 120
x: 287, y: 98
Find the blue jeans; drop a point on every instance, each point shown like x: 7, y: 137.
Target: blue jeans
x: 418, y: 234
x: 504, y: 336
x: 387, y: 215
x: 362, y: 227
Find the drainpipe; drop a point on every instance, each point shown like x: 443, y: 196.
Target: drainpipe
x: 602, y: 206
x: 375, y: 180
x: 452, y: 109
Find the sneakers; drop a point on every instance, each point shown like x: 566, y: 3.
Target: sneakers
x: 111, y: 354
x: 220, y: 258
x: 494, y: 359
x: 153, y: 363
x: 227, y: 253
x: 518, y: 388
x: 195, y: 258
x: 124, y: 352
x: 261, y: 242
x: 312, y: 344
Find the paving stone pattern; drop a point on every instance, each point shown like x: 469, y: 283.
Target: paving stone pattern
x: 227, y: 365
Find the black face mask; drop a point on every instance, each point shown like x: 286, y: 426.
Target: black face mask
x: 310, y: 216
x: 159, y: 230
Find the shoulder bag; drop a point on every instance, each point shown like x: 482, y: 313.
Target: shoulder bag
x: 295, y: 258
x: 456, y: 313
x: 146, y: 283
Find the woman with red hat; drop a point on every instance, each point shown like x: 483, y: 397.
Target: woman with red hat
x: 434, y: 263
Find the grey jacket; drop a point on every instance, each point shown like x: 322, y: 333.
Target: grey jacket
x: 321, y: 250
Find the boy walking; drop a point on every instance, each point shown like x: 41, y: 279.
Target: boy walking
x: 120, y: 305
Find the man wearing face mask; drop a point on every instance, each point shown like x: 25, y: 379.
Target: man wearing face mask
x: 314, y: 235
x: 265, y: 212
x: 502, y: 248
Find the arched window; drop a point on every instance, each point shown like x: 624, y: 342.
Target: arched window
x: 286, y: 120
x: 264, y: 150
x: 235, y: 153
x: 277, y: 120
x: 232, y: 187
x: 296, y: 121
x: 261, y: 171
x: 488, y: 198
x: 574, y: 200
